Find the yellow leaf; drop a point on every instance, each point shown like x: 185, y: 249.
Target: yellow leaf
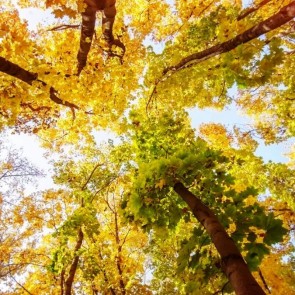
x: 160, y: 184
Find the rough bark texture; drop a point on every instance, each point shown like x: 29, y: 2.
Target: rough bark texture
x: 87, y: 31
x: 16, y: 71
x: 88, y: 24
x: 283, y: 16
x: 70, y: 279
x: 232, y: 261
x: 62, y: 282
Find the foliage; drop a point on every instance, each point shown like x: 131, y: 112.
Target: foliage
x: 113, y: 224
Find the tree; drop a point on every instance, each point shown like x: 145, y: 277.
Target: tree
x: 160, y: 173
x: 17, y: 242
x: 206, y: 171
x: 88, y: 24
x: 91, y: 249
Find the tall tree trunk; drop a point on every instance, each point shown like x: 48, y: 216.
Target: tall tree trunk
x: 88, y: 25
x: 69, y: 281
x: 62, y: 282
x: 283, y: 16
x: 232, y: 262
x: 87, y: 32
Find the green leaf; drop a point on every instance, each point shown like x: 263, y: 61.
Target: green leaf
x: 255, y: 254
x: 275, y: 232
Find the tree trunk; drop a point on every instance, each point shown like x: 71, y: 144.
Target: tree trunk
x: 87, y: 32
x: 88, y: 25
x: 283, y: 16
x: 74, y: 265
x: 232, y: 261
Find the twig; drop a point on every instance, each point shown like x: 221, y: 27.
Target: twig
x: 64, y: 27
x: 20, y: 284
x: 263, y: 280
x: 252, y: 9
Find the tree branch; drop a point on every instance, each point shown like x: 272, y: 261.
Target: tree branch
x: 18, y: 72
x: 87, y: 32
x: 263, y: 280
x: 252, y: 9
x: 64, y: 27
x: 90, y: 176
x: 87, y: 29
x: 26, y: 290
x: 286, y: 14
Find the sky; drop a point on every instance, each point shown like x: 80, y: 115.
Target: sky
x: 230, y: 117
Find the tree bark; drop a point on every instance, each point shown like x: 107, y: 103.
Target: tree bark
x: 69, y: 281
x: 18, y: 72
x: 87, y: 32
x: 232, y: 262
x: 88, y: 24
x: 62, y: 282
x: 286, y: 14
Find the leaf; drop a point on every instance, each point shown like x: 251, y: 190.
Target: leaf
x: 275, y: 232
x: 255, y: 253
x: 161, y: 183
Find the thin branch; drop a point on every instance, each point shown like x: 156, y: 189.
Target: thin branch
x: 252, y: 9
x: 20, y: 284
x: 108, y: 204
x: 124, y: 240
x: 37, y: 109
x: 263, y: 281
x: 103, y: 187
x: 64, y: 27
x: 90, y: 176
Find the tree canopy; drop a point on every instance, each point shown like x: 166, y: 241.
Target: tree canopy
x: 161, y: 208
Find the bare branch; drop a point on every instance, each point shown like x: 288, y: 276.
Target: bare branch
x: 252, y: 9
x: 263, y: 281
x: 64, y: 27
